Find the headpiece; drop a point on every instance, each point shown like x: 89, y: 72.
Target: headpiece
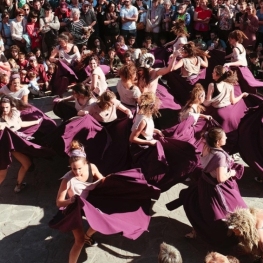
x: 77, y: 153
x: 146, y: 60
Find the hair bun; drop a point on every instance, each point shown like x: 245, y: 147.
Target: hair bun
x: 75, y: 145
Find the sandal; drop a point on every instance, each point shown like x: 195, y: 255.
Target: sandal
x: 258, y: 179
x: 90, y: 241
x: 20, y: 187
x: 191, y: 235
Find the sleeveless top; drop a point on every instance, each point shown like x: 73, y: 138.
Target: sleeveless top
x: 152, y: 86
x: 189, y: 68
x: 77, y: 187
x: 179, y: 41
x: 185, y: 113
x: 147, y: 133
x: 223, y: 98
x: 86, y: 106
x: 241, y: 56
x: 128, y: 96
x: 69, y: 57
x: 101, y: 84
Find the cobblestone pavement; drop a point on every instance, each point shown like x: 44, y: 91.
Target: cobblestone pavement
x: 26, y: 238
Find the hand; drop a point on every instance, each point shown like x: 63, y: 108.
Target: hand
x: 39, y: 120
x: 232, y: 173
x: 152, y: 142
x: 245, y: 94
x: 208, y: 117
x: 83, y: 112
x: 57, y: 100
x: 130, y: 115
x: 159, y: 132
x: 2, y: 127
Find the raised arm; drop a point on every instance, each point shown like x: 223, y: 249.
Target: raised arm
x: 165, y: 70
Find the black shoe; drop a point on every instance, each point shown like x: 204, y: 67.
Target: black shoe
x: 90, y: 242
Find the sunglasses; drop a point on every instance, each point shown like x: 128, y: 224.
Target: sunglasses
x: 21, y: 15
x: 32, y: 60
x: 26, y: 9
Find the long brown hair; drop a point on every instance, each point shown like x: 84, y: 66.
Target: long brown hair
x: 228, y: 76
x: 193, y: 51
x: 179, y: 28
x: 238, y: 35
x: 194, y: 98
x: 126, y: 72
x: 19, y: 104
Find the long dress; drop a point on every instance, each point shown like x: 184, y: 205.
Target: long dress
x: 208, y: 202
x: 119, y: 204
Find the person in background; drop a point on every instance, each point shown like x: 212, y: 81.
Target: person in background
x: 22, y: 62
x: 169, y: 254
x: 254, y: 65
x: 259, y: 15
x: 214, y: 257
x: 199, y: 42
x: 129, y: 16
x: 153, y: 21
x: 249, y: 25
x: 88, y: 15
x: 113, y: 61
x: 5, y: 29
x: 213, y: 38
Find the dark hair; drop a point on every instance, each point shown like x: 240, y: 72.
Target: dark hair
x: 254, y: 54
x: 107, y: 10
x: 4, y: 15
x: 47, y: 7
x: 19, y: 104
x: 94, y: 57
x: 15, y: 47
x: 31, y: 15
x: 81, y: 89
x: 226, y: 76
x: 179, y: 28
x: 213, y: 135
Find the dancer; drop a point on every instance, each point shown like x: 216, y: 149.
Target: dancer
x: 238, y: 56
x: 128, y: 91
x: 143, y: 127
x: 105, y: 109
x: 10, y: 118
x: 192, y: 60
x: 82, y: 97
x: 221, y: 93
x: 216, y: 193
x: 194, y: 106
x: 79, y: 181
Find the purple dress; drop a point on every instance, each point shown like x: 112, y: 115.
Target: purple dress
x: 251, y: 139
x: 31, y: 113
x: 10, y: 141
x: 208, y: 202
x: 120, y: 204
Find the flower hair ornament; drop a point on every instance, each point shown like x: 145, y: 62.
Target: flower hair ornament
x: 77, y: 153
x: 146, y: 60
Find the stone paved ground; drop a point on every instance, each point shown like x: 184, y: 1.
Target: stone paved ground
x: 26, y: 238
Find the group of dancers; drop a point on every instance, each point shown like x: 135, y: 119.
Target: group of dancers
x: 129, y: 144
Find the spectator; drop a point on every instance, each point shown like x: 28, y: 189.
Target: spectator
x: 5, y: 29
x: 38, y: 8
x: 8, y: 6
x: 26, y: 8
x: 199, y: 41
x: 260, y: 22
x: 111, y: 24
x: 213, y: 37
x: 169, y: 254
x: 49, y: 26
x: 182, y: 14
x: 129, y: 16
x: 88, y: 15
x: 64, y: 15
x: 202, y: 17
x: 249, y: 25
x: 141, y: 22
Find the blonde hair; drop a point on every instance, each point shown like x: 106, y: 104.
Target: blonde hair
x: 194, y: 99
x: 214, y: 257
x: 244, y: 220
x: 149, y: 104
x: 179, y: 28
